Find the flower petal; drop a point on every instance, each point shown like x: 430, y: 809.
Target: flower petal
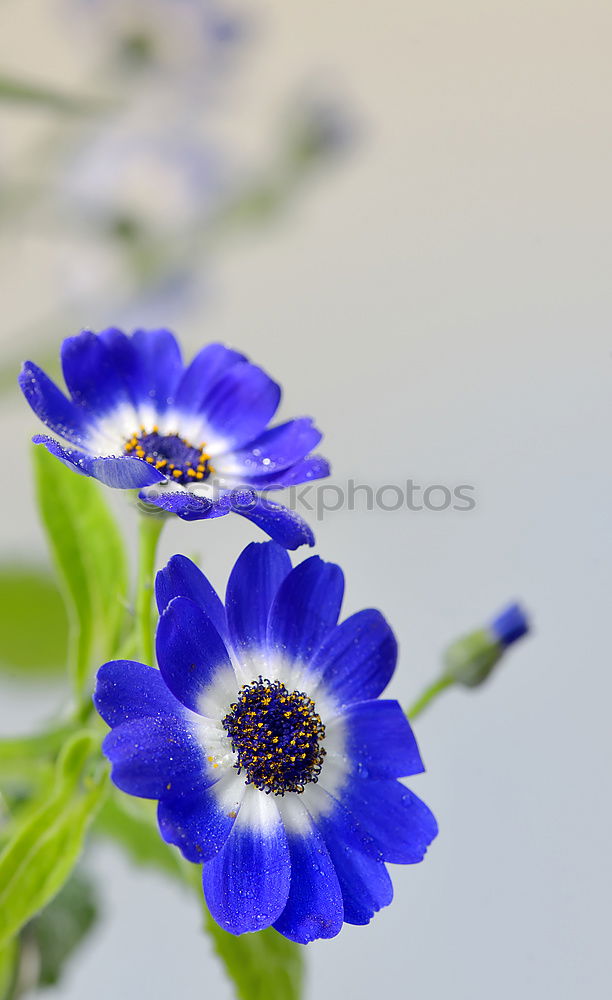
x: 182, y: 578
x: 91, y: 375
x: 193, y: 659
x: 125, y: 361
x: 149, y: 755
x: 378, y: 739
x: 307, y: 469
x: 314, y: 906
x: 335, y: 822
x: 51, y: 406
x: 127, y: 690
x: 124, y: 473
x: 201, y: 374
x: 401, y: 826
x: 281, y: 524
x: 364, y: 882
x: 305, y: 609
x: 191, y: 507
x: 247, y: 883
x: 200, y: 823
x: 275, y: 449
x: 158, y: 368
x: 254, y: 581
x: 363, y: 877
x: 357, y: 659
x: 239, y: 406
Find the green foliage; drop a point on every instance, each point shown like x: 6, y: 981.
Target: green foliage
x: 88, y: 550
x: 262, y: 966
x: 27, y: 771
x: 58, y: 930
x: 25, y: 592
x: 132, y: 825
x: 34, y: 95
x: 8, y: 961
x: 44, y: 849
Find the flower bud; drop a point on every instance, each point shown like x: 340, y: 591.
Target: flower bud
x: 470, y: 659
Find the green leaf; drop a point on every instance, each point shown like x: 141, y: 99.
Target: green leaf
x: 36, y: 95
x: 43, y: 850
x: 262, y: 966
x: 8, y: 962
x: 27, y: 767
x: 133, y: 825
x: 89, y: 554
x: 28, y: 596
x: 58, y: 930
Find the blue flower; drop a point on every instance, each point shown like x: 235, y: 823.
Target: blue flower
x: 262, y: 736
x: 510, y: 625
x: 193, y: 438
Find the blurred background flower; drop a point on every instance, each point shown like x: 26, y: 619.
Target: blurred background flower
x: 134, y: 183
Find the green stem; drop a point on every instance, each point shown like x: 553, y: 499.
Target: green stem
x: 150, y: 530
x: 428, y: 695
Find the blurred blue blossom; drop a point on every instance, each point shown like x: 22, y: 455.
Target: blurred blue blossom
x: 181, y: 43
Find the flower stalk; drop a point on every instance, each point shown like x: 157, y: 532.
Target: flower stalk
x: 149, y: 533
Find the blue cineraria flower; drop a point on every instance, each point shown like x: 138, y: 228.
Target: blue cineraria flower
x: 194, y: 439
x: 262, y: 736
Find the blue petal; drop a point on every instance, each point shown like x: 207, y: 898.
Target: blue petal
x: 247, y: 883
x: 314, y: 906
x: 125, y: 360
x: 196, y: 823
x: 380, y: 741
x: 253, y: 583
x: 240, y: 404
x: 304, y: 471
x: 51, y: 406
x: 159, y: 367
x: 182, y: 578
x: 356, y: 661
x: 148, y: 364
x: 275, y: 449
x: 281, y: 524
x: 91, y: 375
x: 364, y: 880
x: 127, y: 690
x: 190, y: 652
x: 191, y: 507
x: 335, y: 822
x: 123, y: 473
x: 201, y: 374
x: 150, y: 755
x: 510, y: 625
x: 401, y: 826
x: 305, y: 608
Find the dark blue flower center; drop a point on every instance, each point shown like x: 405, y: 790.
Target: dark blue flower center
x: 173, y: 455
x: 276, y: 735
